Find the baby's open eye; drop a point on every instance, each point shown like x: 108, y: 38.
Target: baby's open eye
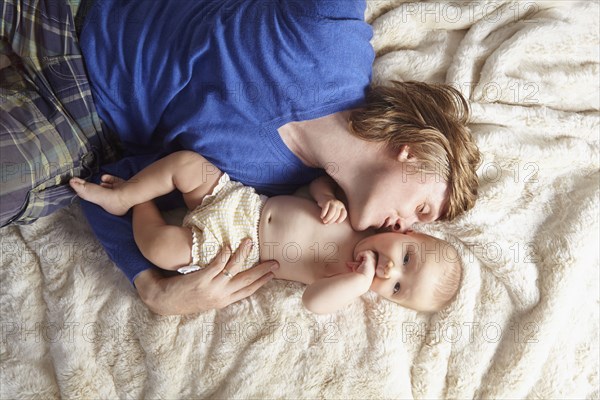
x: 396, y: 287
x: 406, y: 259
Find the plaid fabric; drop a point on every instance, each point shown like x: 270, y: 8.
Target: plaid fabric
x: 49, y: 128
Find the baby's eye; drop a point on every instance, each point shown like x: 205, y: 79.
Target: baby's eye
x: 406, y: 259
x: 396, y: 287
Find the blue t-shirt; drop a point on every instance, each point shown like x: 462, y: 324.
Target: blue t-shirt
x: 219, y: 78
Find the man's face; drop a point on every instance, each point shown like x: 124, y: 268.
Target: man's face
x: 394, y: 196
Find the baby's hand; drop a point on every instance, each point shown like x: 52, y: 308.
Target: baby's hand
x: 332, y: 210
x: 364, y: 264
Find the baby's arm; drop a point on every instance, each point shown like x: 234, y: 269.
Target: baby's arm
x: 330, y: 294
x: 322, y: 190
x: 186, y: 171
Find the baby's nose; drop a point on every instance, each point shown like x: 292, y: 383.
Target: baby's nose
x: 385, y: 271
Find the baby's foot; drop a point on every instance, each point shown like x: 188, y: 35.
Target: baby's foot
x: 105, y: 195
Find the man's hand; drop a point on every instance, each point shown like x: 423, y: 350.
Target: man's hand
x: 216, y: 286
x: 332, y: 210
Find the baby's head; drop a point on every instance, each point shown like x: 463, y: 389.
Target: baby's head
x: 414, y: 270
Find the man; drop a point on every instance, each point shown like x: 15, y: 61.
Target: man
x: 271, y: 93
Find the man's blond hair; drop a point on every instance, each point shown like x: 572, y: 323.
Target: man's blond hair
x: 432, y: 120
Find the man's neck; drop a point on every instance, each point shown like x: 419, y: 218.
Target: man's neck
x: 319, y: 142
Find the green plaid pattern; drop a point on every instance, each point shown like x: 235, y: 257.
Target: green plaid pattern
x: 49, y: 128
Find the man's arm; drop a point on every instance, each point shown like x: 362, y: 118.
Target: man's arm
x: 203, y: 290
x: 173, y: 295
x: 184, y: 294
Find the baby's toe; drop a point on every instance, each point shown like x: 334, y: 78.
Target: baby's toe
x: 107, y: 178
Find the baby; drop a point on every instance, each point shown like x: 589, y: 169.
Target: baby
x: 310, y: 238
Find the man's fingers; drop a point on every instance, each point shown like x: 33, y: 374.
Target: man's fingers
x: 216, y: 266
x: 246, y: 278
x: 246, y: 291
x: 239, y: 258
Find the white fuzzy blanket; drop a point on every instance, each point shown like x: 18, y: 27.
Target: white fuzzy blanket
x: 525, y: 323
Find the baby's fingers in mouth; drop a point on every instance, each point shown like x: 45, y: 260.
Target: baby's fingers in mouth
x: 367, y: 256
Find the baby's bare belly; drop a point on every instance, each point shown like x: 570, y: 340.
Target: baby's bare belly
x: 291, y: 232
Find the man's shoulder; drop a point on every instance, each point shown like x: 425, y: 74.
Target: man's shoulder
x: 334, y: 9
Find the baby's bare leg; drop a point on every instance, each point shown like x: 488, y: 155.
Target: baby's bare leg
x: 166, y: 246
x: 186, y: 171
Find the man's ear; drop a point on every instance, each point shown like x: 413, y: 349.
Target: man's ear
x: 404, y: 154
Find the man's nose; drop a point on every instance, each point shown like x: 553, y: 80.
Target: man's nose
x: 403, y: 225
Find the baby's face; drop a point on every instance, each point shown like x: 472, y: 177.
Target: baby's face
x: 408, y: 266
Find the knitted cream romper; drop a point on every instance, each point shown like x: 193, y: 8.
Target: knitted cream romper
x: 225, y: 217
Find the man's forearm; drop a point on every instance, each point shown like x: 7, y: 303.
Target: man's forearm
x: 150, y: 287
x: 169, y: 295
